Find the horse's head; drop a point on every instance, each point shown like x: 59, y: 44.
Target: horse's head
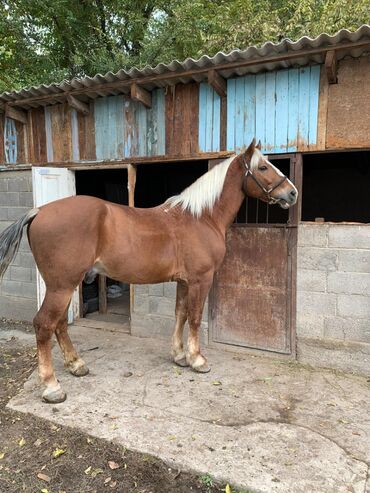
x: 264, y: 181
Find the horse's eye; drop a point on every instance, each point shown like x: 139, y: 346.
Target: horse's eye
x: 262, y: 168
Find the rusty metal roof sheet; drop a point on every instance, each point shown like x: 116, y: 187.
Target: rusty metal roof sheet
x: 270, y: 56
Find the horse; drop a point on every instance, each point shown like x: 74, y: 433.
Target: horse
x: 181, y: 240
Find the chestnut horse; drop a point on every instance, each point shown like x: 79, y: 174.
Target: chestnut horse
x: 181, y: 240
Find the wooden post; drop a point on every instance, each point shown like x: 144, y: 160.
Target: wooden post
x: 14, y: 114
x: 102, y: 294
x: 217, y: 82
x: 331, y: 66
x: 131, y: 182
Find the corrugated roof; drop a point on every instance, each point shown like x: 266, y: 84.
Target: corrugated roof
x: 270, y: 56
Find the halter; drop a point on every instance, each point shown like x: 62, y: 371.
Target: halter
x: 267, y: 192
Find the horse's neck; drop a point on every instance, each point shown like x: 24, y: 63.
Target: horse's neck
x: 231, y: 198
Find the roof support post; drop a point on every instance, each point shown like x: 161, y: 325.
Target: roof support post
x: 15, y: 114
x: 331, y: 66
x: 140, y: 94
x: 217, y: 82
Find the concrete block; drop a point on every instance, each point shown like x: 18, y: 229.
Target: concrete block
x: 9, y: 199
x: 310, y: 325
x: 26, y: 259
x: 4, y: 225
x: 141, y: 304
x: 26, y: 199
x: 316, y: 304
x: 156, y: 289
x: 3, y: 184
x: 311, y: 280
x: 313, y: 258
x: 349, y: 236
x: 354, y: 260
x: 313, y: 235
x: 12, y: 288
x: 170, y: 290
x: 141, y: 289
x: 19, y: 184
x: 3, y: 213
x: 16, y: 309
x: 354, y: 306
x: 15, y: 213
x: 162, y: 306
x: 350, y: 329
x: 20, y: 273
x: 349, y: 283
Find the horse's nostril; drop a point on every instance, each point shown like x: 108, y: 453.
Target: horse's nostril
x: 293, y: 193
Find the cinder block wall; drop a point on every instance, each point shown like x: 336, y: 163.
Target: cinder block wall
x: 18, y: 288
x: 333, y: 296
x: 153, y: 311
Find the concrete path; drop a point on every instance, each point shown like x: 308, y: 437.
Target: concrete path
x: 261, y: 424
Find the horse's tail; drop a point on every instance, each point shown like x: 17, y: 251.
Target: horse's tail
x: 10, y: 240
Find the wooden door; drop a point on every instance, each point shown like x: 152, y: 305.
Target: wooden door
x: 52, y: 184
x: 252, y: 301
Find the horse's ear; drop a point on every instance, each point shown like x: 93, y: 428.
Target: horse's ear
x: 250, y: 151
x: 259, y: 145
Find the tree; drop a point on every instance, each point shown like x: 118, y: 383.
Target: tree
x: 44, y: 41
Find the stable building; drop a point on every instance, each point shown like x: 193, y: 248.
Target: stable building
x: 294, y: 283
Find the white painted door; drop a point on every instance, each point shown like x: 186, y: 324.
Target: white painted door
x: 52, y: 184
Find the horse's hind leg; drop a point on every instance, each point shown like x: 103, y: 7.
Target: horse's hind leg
x: 178, y: 353
x: 72, y: 360
x: 45, y: 322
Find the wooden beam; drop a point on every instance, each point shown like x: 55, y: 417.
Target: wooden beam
x: 80, y: 106
x: 217, y: 82
x: 102, y: 294
x: 131, y: 176
x: 14, y: 114
x: 331, y: 66
x: 140, y: 94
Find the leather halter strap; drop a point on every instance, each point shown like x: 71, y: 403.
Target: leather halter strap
x: 266, y: 191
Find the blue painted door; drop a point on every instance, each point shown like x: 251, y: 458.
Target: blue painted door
x: 10, y: 141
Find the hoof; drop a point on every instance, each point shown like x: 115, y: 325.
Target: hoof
x: 78, y: 369
x: 54, y: 396
x: 181, y: 362
x: 205, y: 368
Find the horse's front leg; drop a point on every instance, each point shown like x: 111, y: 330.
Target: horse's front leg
x: 178, y: 353
x: 196, y: 298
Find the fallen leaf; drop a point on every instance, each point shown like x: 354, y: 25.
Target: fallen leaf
x: 38, y: 442
x: 113, y: 465
x: 172, y: 437
x: 22, y: 442
x: 44, y: 490
x: 87, y: 471
x: 216, y: 382
x: 2, y: 455
x: 44, y: 477
x: 113, y: 484
x: 114, y: 426
x: 95, y: 472
x: 58, y: 452
x: 227, y: 488
x: 106, y: 480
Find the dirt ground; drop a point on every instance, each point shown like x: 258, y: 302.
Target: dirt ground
x: 38, y: 456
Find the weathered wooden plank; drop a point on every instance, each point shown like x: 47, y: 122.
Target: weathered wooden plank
x: 331, y: 66
x: 15, y: 114
x: 109, y: 127
x: 216, y: 122
x: 322, y: 111
x: 261, y: 107
x: 49, y: 135
x: 230, y: 124
x: 140, y: 94
x: 158, y: 143
x: 270, y: 107
x: 39, y: 152
x: 2, y: 155
x: 86, y: 134
x: 250, y: 103
x: 203, y: 92
x: 209, y: 119
x: 74, y: 135
x: 349, y: 106
x: 314, y: 105
x: 60, y: 117
x: 78, y: 105
x: 182, y: 119
x: 21, y: 138
x: 282, y: 111
x: 293, y: 107
x: 304, y: 108
x: 239, y: 114
x: 130, y: 127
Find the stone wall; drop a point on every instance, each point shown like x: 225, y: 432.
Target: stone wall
x: 153, y: 311
x: 333, y: 295
x: 18, y: 288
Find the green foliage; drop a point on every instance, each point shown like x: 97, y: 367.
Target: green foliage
x: 206, y: 480
x: 43, y: 41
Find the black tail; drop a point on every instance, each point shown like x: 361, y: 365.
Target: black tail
x: 10, y: 240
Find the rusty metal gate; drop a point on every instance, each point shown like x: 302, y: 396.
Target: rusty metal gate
x: 252, y: 301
